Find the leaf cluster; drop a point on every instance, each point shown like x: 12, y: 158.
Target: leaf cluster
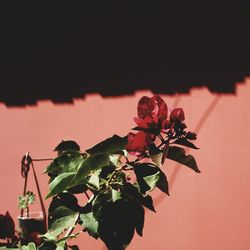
x: 118, y: 190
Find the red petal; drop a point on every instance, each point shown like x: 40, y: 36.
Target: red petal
x: 138, y: 143
x: 143, y: 123
x: 162, y: 107
x: 177, y: 115
x: 145, y: 107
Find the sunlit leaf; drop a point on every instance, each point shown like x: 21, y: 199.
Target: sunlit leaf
x: 30, y: 246
x: 92, y: 163
x: 60, y: 183
x: 111, y: 145
x: 147, y: 176
x: 89, y: 222
x: 68, y: 161
x: 63, y: 223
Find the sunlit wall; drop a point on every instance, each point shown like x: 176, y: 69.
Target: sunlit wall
x: 207, y: 211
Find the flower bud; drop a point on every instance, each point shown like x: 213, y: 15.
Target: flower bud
x: 177, y: 115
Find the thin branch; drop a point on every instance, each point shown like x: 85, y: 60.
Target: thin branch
x: 85, y: 192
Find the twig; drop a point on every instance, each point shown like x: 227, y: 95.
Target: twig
x: 71, y: 229
x: 85, y: 192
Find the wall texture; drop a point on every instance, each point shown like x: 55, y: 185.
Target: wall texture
x: 204, y: 211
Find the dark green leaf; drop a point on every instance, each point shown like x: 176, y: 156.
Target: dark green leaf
x: 78, y: 189
x: 111, y: 145
x: 185, y: 142
x: 132, y: 192
x: 162, y: 184
x: 99, y: 203
x: 147, y: 176
x: 92, y: 163
x: 63, y: 223
x: 67, y: 145
x: 178, y: 154
x: 66, y: 162
x: 106, y: 171
x: 60, y: 183
x: 147, y: 202
x: 90, y: 224
x: 117, y: 224
x: 62, y: 205
x: 139, y: 218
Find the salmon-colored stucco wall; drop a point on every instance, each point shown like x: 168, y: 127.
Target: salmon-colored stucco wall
x: 207, y: 211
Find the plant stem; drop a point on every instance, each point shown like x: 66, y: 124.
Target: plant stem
x: 28, y: 212
x: 71, y: 229
x: 85, y: 192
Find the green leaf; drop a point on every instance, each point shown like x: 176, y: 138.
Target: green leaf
x: 60, y: 183
x: 162, y: 184
x: 132, y: 192
x: 100, y: 201
x: 115, y: 158
x: 92, y: 163
x: 147, y: 176
x: 63, y: 223
x: 178, y: 154
x: 139, y: 215
x: 67, y: 145
x: 68, y: 161
x: 157, y: 159
x: 185, y: 142
x: 111, y: 145
x: 89, y: 222
x: 94, y: 180
x: 30, y: 246
x: 47, y: 245
x: 61, y: 245
x: 62, y: 206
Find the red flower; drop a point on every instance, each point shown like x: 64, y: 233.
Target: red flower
x: 7, y: 226
x: 152, y: 118
x: 138, y: 143
x: 152, y: 113
x: 177, y: 115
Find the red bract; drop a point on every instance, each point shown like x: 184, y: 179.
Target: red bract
x: 7, y: 226
x: 138, y: 143
x: 152, y: 118
x: 177, y: 115
x: 152, y: 113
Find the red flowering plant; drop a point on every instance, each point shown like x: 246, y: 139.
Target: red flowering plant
x: 115, y: 178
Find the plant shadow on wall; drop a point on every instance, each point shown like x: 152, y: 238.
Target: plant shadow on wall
x: 116, y: 176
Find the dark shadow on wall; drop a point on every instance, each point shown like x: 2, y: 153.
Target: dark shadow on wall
x: 66, y: 49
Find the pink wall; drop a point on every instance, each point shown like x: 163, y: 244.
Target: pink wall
x: 205, y: 211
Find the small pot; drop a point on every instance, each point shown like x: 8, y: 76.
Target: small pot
x: 31, y: 227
